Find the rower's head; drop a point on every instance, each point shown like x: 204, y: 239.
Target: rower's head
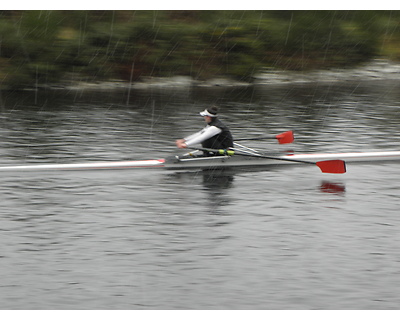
x: 209, y: 114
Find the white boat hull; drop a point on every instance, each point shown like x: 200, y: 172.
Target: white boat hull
x: 202, y: 163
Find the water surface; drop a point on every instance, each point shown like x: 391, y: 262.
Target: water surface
x: 286, y: 237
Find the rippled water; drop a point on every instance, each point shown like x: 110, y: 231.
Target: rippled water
x: 287, y: 237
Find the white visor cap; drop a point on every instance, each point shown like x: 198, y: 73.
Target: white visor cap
x: 206, y: 113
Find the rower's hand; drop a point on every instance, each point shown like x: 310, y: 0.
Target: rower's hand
x: 180, y: 143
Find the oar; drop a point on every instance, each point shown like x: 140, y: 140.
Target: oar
x: 326, y: 166
x: 285, y: 137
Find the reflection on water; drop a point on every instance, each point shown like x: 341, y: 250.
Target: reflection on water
x: 217, y: 180
x: 215, y: 184
x: 332, y: 187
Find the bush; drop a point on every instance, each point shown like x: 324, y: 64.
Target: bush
x: 39, y: 47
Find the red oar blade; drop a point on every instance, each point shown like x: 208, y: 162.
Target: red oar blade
x: 332, y: 166
x: 286, y: 137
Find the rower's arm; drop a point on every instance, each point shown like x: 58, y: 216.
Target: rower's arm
x: 202, y: 135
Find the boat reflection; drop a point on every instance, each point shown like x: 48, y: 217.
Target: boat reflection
x: 215, y: 184
x: 210, y: 179
x: 215, y: 180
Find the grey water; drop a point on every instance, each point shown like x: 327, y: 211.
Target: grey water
x: 284, y: 238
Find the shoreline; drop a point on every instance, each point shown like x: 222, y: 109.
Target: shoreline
x: 378, y: 69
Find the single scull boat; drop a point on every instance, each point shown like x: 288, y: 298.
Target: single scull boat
x: 238, y: 157
x: 222, y: 161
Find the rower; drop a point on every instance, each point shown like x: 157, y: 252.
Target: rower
x: 215, y: 135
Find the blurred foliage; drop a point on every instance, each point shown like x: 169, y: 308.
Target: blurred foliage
x: 46, y: 47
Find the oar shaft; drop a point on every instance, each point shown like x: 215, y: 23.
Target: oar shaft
x: 244, y: 149
x: 232, y: 152
x: 283, y: 138
x: 255, y: 138
x: 274, y: 158
x: 326, y: 166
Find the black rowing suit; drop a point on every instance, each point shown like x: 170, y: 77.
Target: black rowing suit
x: 215, y: 135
